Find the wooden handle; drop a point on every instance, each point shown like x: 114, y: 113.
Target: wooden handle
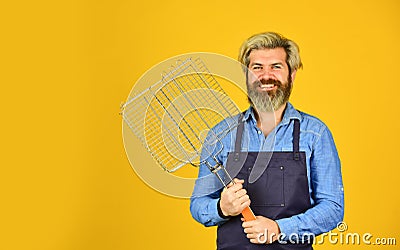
x: 248, y: 214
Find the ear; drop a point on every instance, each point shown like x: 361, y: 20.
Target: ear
x: 293, y: 75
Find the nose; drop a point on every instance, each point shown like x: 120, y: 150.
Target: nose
x: 265, y: 74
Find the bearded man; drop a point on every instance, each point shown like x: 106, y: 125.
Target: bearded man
x: 298, y: 192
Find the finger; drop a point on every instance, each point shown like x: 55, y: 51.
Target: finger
x: 236, y: 187
x: 230, y: 184
x: 236, y: 180
x: 241, y: 192
x: 257, y: 238
x: 248, y: 224
x: 232, y: 188
x: 231, y: 198
x: 243, y: 199
x: 231, y: 192
x: 242, y: 203
x: 245, y: 204
x: 257, y: 241
x: 248, y: 230
x: 252, y: 235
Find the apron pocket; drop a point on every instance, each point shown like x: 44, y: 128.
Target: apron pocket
x: 268, y: 190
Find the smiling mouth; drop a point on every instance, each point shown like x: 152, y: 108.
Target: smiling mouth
x: 267, y: 87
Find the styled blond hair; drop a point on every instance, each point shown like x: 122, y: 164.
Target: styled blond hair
x: 271, y: 40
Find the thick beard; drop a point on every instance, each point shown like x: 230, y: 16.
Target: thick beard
x: 271, y: 100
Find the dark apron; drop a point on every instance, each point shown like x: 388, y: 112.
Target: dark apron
x: 280, y: 192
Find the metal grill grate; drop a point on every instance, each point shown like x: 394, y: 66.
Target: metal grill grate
x: 173, y: 116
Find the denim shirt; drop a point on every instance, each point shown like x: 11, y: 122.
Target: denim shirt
x: 323, y: 171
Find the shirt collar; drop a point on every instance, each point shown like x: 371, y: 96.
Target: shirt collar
x: 290, y: 113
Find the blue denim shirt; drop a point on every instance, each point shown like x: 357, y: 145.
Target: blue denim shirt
x: 323, y: 170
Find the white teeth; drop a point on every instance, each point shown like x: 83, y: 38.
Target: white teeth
x: 267, y: 86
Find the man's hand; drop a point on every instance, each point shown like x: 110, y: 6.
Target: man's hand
x: 262, y: 230
x: 234, y: 199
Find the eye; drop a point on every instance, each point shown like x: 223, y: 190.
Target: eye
x: 256, y: 67
x: 277, y: 66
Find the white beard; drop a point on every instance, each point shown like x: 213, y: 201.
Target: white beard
x: 268, y: 102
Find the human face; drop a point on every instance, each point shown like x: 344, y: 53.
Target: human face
x: 268, y: 82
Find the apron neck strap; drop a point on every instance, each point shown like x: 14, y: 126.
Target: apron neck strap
x: 239, y: 134
x: 296, y: 139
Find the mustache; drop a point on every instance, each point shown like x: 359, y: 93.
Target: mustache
x: 267, y: 81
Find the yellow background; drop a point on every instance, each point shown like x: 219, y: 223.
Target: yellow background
x: 67, y: 66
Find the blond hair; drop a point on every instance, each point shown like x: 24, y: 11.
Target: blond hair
x: 271, y: 40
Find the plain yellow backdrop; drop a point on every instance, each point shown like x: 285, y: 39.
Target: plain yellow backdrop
x: 66, y: 183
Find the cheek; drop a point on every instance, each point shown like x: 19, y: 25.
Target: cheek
x: 283, y: 76
x: 251, y: 76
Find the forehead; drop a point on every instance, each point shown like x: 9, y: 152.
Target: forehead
x: 268, y: 55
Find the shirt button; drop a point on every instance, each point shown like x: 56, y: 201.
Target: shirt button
x: 259, y: 132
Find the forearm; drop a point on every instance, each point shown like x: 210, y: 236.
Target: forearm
x: 319, y: 219
x: 204, y: 210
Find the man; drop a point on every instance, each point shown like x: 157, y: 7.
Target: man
x: 299, y: 193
